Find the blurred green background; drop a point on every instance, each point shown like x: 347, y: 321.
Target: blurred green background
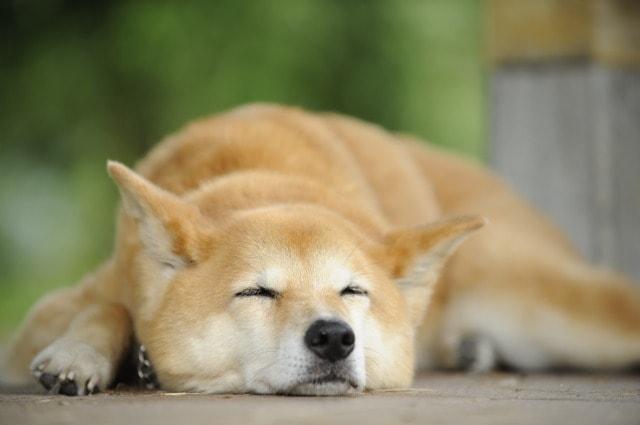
x: 82, y: 81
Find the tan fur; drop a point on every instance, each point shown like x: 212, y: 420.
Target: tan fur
x: 228, y: 197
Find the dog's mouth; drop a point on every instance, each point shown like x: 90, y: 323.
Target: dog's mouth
x: 329, y: 379
x: 336, y: 381
x: 329, y: 384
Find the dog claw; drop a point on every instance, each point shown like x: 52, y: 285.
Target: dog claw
x: 71, y: 368
x: 48, y: 380
x: 68, y: 388
x: 55, y: 385
x: 55, y: 389
x: 92, y: 385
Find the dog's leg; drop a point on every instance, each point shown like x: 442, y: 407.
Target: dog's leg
x: 48, y: 320
x: 520, y: 283
x: 475, y: 353
x: 469, y: 352
x: 85, y: 359
x: 445, y: 347
x: 582, y: 319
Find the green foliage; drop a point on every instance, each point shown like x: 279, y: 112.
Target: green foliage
x: 81, y: 82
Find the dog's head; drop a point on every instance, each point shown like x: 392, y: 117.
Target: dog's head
x: 287, y: 299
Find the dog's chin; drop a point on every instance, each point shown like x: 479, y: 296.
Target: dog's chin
x: 325, y: 387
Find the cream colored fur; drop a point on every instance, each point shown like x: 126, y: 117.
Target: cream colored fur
x: 307, y: 205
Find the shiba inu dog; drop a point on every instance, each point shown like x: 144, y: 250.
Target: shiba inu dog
x: 272, y: 250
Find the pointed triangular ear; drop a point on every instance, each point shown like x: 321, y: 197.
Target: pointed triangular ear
x: 170, y: 229
x: 415, y: 257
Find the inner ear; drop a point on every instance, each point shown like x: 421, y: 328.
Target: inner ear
x: 415, y: 256
x: 171, y: 230
x: 428, y: 246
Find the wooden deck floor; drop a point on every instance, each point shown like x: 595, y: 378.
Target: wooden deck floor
x: 435, y: 399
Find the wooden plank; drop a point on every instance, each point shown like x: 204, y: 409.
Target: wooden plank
x: 567, y: 135
x: 539, y: 142
x: 620, y: 92
x: 615, y: 36
x: 566, y: 116
x: 607, y: 31
x: 534, y: 29
x: 435, y: 399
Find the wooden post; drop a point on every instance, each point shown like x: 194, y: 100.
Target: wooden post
x: 565, y: 107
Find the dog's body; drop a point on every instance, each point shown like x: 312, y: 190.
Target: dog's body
x: 284, y: 253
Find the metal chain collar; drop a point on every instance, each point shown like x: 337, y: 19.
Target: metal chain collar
x: 146, y: 375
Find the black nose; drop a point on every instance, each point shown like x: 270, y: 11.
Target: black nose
x: 331, y: 340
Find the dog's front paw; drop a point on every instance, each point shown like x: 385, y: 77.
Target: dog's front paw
x: 72, y: 368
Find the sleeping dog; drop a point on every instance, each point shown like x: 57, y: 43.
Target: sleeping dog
x: 273, y: 250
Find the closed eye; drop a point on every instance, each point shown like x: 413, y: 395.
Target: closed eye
x: 258, y: 291
x: 354, y: 290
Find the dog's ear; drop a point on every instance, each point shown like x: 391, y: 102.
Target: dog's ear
x: 170, y: 229
x: 415, y: 257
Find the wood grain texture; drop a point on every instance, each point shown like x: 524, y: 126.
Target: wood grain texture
x: 538, y: 29
x: 607, y: 31
x: 435, y: 399
x: 567, y: 135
